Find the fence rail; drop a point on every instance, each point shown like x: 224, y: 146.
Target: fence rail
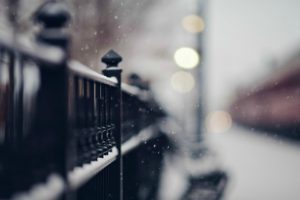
x: 66, y: 131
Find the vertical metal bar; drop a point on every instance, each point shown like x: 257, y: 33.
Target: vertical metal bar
x: 9, y: 137
x: 96, y: 130
x: 78, y: 120
x: 85, y: 97
x: 81, y: 103
x: 3, y: 101
x: 98, y: 107
x: 94, y: 102
x: 105, y: 118
x: 92, y: 124
x: 109, y: 120
x: 19, y: 99
x: 102, y: 117
x: 15, y: 102
x: 98, y: 119
x: 85, y: 132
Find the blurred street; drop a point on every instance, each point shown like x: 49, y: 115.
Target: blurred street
x: 260, y: 167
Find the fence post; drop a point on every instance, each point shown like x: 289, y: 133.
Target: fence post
x: 112, y: 59
x: 52, y: 106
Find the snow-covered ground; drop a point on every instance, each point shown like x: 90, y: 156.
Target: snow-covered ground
x: 260, y: 167
x: 245, y: 42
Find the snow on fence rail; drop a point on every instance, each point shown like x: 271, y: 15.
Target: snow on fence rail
x: 68, y: 132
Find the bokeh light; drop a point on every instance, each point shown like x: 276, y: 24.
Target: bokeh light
x: 186, y: 57
x: 182, y: 82
x: 218, y: 121
x: 193, y: 23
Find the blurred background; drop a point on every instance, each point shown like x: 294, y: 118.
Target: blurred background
x: 227, y: 72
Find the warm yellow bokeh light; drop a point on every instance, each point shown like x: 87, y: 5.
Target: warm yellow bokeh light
x: 218, y: 122
x: 186, y: 57
x: 193, y: 24
x: 182, y: 82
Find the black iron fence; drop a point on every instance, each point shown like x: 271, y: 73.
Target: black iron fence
x: 66, y: 131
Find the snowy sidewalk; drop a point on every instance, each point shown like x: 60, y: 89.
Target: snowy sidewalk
x: 260, y: 167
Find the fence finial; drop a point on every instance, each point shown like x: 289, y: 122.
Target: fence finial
x: 112, y: 60
x: 53, y: 16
